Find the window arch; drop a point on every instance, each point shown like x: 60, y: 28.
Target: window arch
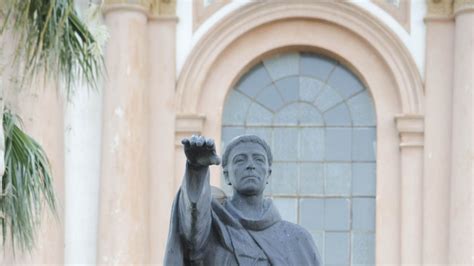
x: 319, y: 120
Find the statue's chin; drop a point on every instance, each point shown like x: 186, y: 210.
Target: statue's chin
x: 250, y: 190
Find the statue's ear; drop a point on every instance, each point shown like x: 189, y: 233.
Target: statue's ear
x: 226, y: 176
x: 269, y: 174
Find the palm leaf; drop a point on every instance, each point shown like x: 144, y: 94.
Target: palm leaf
x: 26, y: 185
x: 53, y: 40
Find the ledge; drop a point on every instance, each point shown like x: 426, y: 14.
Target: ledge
x: 411, y: 128
x: 189, y: 123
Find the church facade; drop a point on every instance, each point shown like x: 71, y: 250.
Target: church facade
x: 367, y: 106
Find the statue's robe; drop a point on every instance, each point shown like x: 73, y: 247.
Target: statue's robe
x: 204, y: 231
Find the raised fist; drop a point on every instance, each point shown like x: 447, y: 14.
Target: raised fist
x: 200, y: 151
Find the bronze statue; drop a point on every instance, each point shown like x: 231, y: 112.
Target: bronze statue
x: 243, y: 230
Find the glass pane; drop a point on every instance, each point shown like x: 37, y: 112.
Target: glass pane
x: 338, y: 144
x: 362, y: 109
x: 338, y: 116
x: 336, y: 214
x: 284, y: 178
x: 336, y: 248
x: 270, y: 98
x: 363, y: 214
x: 255, y: 80
x: 316, y: 66
x: 289, y: 88
x: 363, y: 249
x: 309, y: 88
x: 282, y: 65
x: 311, y: 179
x: 285, y: 144
x: 287, y: 208
x: 312, y: 214
x: 327, y: 99
x: 345, y: 82
x: 364, y: 144
x: 235, y: 109
x: 338, y: 179
x: 312, y: 144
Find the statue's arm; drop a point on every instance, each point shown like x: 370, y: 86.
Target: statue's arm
x: 195, y: 197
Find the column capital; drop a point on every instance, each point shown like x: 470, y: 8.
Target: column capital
x: 439, y: 9
x: 163, y: 8
x: 188, y: 124
x: 411, y: 128
x: 461, y: 6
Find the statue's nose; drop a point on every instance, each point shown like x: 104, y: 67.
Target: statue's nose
x: 251, y: 165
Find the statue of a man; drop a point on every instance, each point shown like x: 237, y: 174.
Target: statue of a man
x: 243, y: 230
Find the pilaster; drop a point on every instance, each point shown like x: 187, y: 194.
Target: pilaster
x: 460, y: 237
x: 437, y: 150
x: 124, y: 202
x: 411, y: 131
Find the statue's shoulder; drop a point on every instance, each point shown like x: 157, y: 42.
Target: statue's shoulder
x: 294, y: 229
x: 218, y: 194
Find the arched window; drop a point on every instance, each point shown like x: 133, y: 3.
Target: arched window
x: 319, y: 120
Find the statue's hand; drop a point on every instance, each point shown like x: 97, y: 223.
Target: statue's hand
x: 200, y: 151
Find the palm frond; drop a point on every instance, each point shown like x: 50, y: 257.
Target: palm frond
x: 26, y: 185
x: 54, y: 41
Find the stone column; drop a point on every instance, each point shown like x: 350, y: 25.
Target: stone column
x: 124, y: 202
x: 411, y: 128
x: 437, y: 155
x: 82, y: 165
x: 162, y: 81
x: 460, y: 238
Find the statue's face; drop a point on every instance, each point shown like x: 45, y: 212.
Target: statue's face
x: 248, y: 168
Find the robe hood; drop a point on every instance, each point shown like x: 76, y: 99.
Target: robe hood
x: 269, y: 217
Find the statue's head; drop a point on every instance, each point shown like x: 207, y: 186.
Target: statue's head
x: 247, y: 162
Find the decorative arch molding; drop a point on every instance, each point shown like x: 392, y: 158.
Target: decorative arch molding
x: 384, y: 42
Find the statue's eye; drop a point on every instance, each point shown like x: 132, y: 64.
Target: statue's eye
x: 239, y: 159
x: 260, y: 159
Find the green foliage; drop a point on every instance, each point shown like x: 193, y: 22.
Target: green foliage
x: 54, y: 41
x: 26, y: 185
